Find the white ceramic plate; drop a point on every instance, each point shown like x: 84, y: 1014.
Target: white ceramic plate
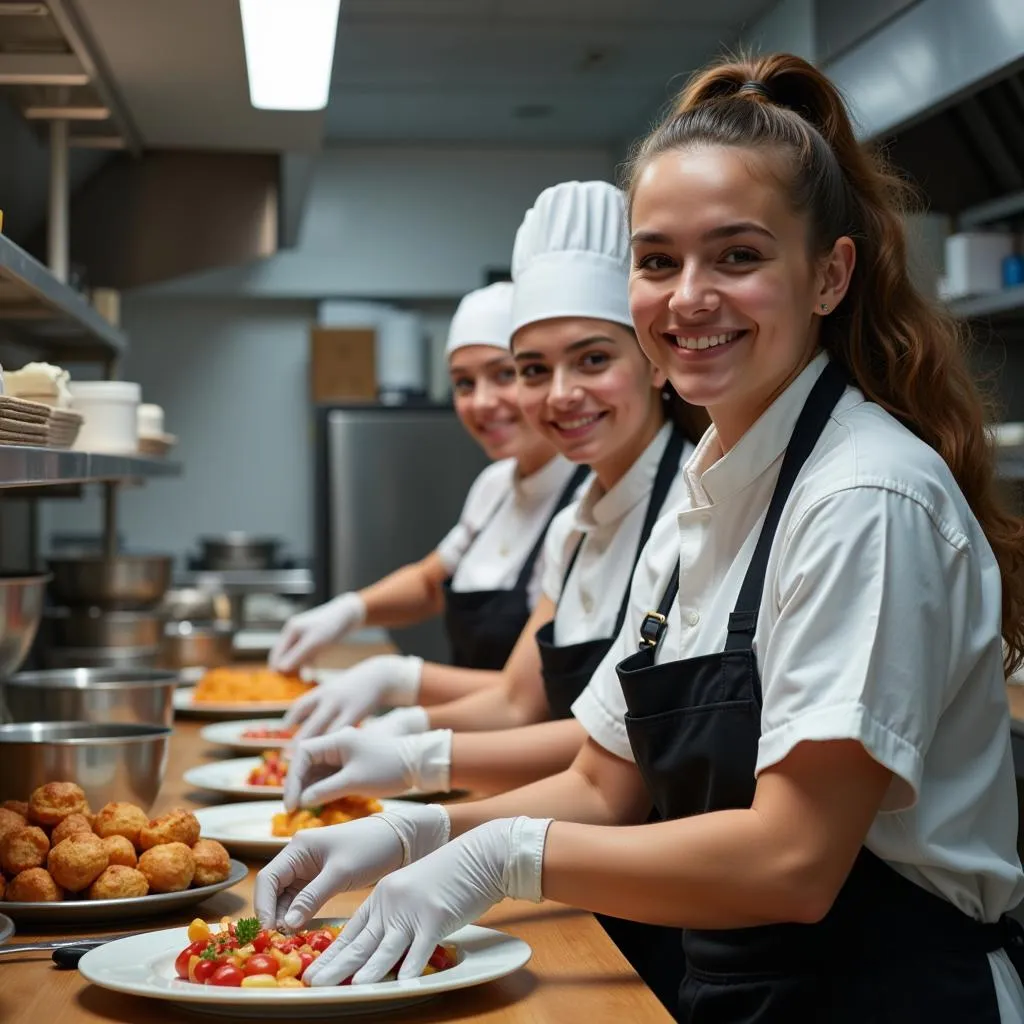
x: 81, y: 912
x: 185, y: 705
x: 6, y: 927
x: 143, y: 965
x: 230, y: 734
x: 229, y: 778
x: 245, y: 828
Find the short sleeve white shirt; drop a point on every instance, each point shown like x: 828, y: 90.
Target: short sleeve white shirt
x: 608, y: 523
x: 879, y: 622
x: 501, y: 520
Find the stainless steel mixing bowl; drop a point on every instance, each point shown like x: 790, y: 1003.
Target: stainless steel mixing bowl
x: 110, y: 762
x: 124, y: 581
x: 139, y: 695
x: 21, y: 606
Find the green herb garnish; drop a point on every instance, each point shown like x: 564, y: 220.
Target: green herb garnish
x: 210, y: 953
x: 247, y: 929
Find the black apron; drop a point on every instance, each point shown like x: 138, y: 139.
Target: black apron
x: 484, y: 625
x: 652, y: 951
x: 888, y: 951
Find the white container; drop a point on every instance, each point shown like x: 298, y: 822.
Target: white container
x: 151, y: 420
x: 974, y: 263
x: 110, y: 411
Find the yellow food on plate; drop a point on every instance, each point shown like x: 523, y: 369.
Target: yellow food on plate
x: 24, y: 848
x: 34, y: 886
x: 78, y: 861
x: 51, y: 803
x: 121, y: 819
x: 242, y: 685
x: 337, y: 812
x: 212, y: 862
x: 118, y: 883
x: 68, y: 827
x: 168, y: 868
x: 176, y: 826
x: 120, y: 851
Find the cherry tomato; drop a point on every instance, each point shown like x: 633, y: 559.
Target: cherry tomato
x: 262, y: 942
x: 261, y: 963
x: 228, y: 976
x: 204, y: 970
x: 319, y: 942
x: 193, y: 949
x: 289, y: 945
x: 305, y: 959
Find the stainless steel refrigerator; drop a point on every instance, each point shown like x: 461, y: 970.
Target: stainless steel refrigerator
x: 390, y: 482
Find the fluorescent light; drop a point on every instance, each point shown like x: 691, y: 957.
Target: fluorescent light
x: 289, y: 50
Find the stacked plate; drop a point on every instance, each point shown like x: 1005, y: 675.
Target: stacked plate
x: 23, y: 422
x: 64, y: 425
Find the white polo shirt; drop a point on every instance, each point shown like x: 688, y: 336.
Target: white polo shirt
x: 500, y: 522
x: 879, y: 622
x: 609, y: 523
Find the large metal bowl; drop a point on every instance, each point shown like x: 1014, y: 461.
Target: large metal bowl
x: 100, y: 657
x: 21, y: 606
x: 122, y: 582
x: 238, y: 551
x: 110, y: 762
x: 140, y: 696
x: 98, y: 628
x: 196, y: 644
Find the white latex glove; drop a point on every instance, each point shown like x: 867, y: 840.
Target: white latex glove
x: 399, y: 722
x: 419, y: 906
x: 306, y: 633
x: 318, y: 863
x: 344, y: 697
x: 355, y: 761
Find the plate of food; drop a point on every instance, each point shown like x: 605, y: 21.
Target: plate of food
x: 60, y: 863
x: 242, y: 776
x: 249, y: 734
x: 6, y: 927
x: 256, y: 974
x: 234, y: 690
x: 261, y: 828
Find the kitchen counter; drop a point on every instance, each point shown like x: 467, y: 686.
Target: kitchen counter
x: 576, y: 973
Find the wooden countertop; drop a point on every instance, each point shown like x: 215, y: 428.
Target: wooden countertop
x: 1015, y: 695
x: 576, y: 973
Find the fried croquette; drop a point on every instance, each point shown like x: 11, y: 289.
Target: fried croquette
x: 212, y: 862
x: 9, y: 821
x: 52, y: 803
x: 177, y: 826
x: 23, y: 848
x: 34, y: 886
x: 120, y: 819
x: 18, y: 806
x: 78, y: 861
x: 169, y: 867
x: 120, y: 851
x: 118, y: 882
x: 68, y: 827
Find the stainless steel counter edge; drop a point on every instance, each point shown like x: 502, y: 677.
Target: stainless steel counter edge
x: 27, y: 466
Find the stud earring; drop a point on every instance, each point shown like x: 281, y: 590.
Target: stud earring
x: 824, y: 307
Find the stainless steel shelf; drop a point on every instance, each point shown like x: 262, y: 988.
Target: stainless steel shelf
x: 40, y: 311
x: 1008, y: 303
x: 26, y: 466
x: 286, y: 582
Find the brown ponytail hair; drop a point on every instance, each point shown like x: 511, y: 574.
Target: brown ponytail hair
x: 904, y: 352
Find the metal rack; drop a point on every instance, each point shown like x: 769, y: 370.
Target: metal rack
x: 25, y: 466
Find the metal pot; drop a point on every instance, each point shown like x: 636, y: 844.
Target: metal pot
x: 196, y: 644
x: 110, y: 762
x: 190, y: 604
x: 141, y: 695
x: 101, y: 657
x: 97, y: 627
x: 21, y: 606
x: 238, y: 551
x: 122, y: 582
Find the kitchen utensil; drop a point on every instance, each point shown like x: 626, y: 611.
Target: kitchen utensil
x: 82, y: 913
x: 192, y: 604
x: 115, y: 761
x: 122, y: 582
x: 30, y: 947
x: 141, y: 696
x: 21, y: 606
x: 191, y: 644
x: 237, y: 550
x: 6, y: 927
x: 98, y: 627
x: 101, y: 657
x: 108, y: 408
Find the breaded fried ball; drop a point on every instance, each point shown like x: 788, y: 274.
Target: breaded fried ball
x: 121, y: 819
x: 34, y: 886
x: 120, y: 851
x: 212, y: 862
x: 168, y: 868
x: 18, y: 806
x: 78, y: 861
x: 23, y: 848
x: 9, y: 821
x: 118, y: 883
x: 177, y: 826
x: 52, y: 803
x: 68, y: 827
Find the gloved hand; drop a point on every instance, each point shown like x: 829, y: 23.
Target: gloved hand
x: 419, y: 906
x: 398, y: 722
x: 345, y: 696
x: 306, y: 633
x: 318, y: 863
x: 354, y: 761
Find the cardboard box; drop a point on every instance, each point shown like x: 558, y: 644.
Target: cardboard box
x: 342, y: 364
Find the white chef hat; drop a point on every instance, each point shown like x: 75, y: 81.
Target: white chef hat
x: 484, y: 317
x: 571, y: 256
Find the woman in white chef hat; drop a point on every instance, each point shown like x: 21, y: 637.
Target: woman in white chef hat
x: 485, y: 574
x: 820, y: 709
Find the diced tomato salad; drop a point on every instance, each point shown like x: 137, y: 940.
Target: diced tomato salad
x: 268, y: 734
x: 243, y: 955
x: 271, y: 771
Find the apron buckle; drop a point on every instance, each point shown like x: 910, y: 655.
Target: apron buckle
x: 651, y: 629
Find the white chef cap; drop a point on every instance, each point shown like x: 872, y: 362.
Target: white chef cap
x: 484, y: 317
x: 571, y: 256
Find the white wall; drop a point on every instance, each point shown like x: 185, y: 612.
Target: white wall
x: 787, y: 28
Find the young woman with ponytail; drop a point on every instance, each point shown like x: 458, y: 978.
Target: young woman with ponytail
x: 819, y: 710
